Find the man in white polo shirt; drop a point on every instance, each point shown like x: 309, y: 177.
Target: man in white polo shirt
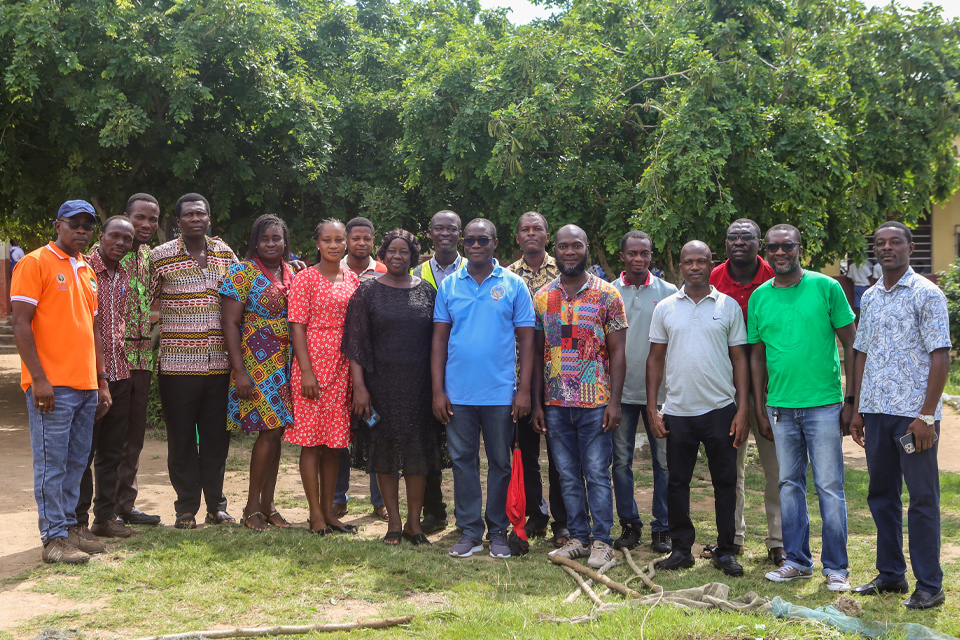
x: 699, y: 333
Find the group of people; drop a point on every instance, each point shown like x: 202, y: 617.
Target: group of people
x: 396, y: 367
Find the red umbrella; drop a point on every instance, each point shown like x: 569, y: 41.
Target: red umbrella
x: 516, y: 498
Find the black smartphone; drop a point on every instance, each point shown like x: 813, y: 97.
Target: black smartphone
x: 374, y: 417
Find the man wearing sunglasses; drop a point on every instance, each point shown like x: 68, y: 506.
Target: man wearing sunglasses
x: 742, y: 273
x: 793, y: 323
x: 475, y: 383
x: 54, y: 300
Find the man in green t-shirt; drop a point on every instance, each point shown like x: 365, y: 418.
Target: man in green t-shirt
x: 793, y: 321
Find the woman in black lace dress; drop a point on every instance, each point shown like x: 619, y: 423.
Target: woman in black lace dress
x: 388, y: 333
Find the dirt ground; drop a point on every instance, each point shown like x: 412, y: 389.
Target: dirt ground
x: 18, y: 509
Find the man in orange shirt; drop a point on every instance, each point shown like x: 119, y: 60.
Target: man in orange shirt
x: 54, y: 300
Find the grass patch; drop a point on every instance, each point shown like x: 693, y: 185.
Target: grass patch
x: 167, y: 581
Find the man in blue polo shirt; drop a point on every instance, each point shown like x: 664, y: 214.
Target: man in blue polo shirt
x: 475, y: 382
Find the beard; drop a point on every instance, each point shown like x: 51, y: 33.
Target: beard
x: 792, y: 266
x: 574, y: 271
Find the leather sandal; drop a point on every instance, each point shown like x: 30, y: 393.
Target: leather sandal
x: 245, y: 520
x: 277, y: 520
x: 185, y: 521
x: 347, y: 528
x: 220, y: 517
x: 415, y: 539
x: 326, y: 531
x: 392, y: 538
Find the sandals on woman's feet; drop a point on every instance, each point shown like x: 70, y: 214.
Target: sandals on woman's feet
x: 392, y: 538
x: 326, y: 531
x: 415, y: 539
x: 245, y: 520
x: 277, y: 520
x: 185, y: 521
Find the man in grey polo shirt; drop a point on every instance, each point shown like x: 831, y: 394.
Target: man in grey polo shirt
x: 641, y: 292
x: 699, y: 334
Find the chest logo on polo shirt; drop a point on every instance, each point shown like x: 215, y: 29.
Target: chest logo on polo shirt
x: 497, y: 292
x: 62, y: 282
x: 93, y: 284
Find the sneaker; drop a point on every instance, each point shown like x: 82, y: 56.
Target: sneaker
x: 465, y: 547
x: 110, y: 529
x: 80, y: 537
x: 60, y: 550
x: 600, y: 554
x: 572, y: 550
x: 138, y: 517
x: 660, y: 541
x: 498, y: 545
x: 629, y: 537
x: 786, y: 573
x: 837, y: 582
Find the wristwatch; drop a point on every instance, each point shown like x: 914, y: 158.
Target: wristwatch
x: 927, y: 420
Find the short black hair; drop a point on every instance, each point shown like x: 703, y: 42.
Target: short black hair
x: 748, y: 221
x: 786, y: 227
x: 260, y: 225
x: 112, y: 219
x: 634, y: 235
x: 145, y: 197
x: 483, y: 222
x: 400, y: 234
x: 546, y: 225
x: 894, y: 224
x: 190, y: 197
x: 359, y: 222
x: 447, y: 212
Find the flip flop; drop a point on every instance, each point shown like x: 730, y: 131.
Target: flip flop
x: 392, y: 538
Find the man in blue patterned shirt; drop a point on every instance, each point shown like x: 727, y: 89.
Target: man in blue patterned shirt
x: 902, y: 359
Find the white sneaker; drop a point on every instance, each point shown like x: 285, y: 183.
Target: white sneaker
x: 786, y: 573
x: 601, y: 554
x: 837, y: 582
x: 573, y: 549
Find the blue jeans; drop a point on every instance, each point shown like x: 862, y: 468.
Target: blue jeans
x: 61, y: 443
x: 583, y: 453
x: 343, y: 482
x: 815, y: 433
x: 889, y: 466
x: 624, y: 445
x: 463, y: 442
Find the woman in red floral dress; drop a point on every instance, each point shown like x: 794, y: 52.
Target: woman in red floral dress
x: 317, y: 307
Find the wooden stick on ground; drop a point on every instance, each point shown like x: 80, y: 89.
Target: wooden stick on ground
x: 596, y: 577
x: 255, y: 632
x: 576, y: 593
x: 640, y: 574
x: 584, y: 586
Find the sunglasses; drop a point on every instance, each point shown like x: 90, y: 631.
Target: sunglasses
x: 773, y: 247
x: 76, y: 224
x: 746, y: 237
x: 482, y: 241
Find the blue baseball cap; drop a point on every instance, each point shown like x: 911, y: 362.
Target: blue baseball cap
x: 71, y: 208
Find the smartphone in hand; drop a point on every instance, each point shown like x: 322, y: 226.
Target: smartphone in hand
x: 375, y: 417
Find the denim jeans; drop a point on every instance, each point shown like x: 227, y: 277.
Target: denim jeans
x: 812, y: 433
x: 583, y: 453
x: 463, y: 442
x: 624, y: 445
x: 343, y: 482
x: 889, y: 466
x: 61, y: 443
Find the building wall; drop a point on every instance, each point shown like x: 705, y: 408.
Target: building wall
x: 946, y: 226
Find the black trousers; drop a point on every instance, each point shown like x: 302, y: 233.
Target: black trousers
x: 683, y: 443
x: 105, y: 454
x: 433, y: 503
x: 195, y: 412
x: 133, y: 443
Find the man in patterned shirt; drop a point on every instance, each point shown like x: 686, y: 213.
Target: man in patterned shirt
x: 581, y: 334
x: 902, y: 360
x: 116, y: 239
x: 536, y: 267
x: 194, y: 371
x: 143, y: 210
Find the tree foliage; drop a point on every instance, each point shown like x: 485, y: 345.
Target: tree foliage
x: 673, y: 116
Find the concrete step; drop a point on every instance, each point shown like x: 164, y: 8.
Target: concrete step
x: 8, y: 348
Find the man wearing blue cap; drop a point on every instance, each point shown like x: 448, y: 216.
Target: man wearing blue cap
x: 54, y: 300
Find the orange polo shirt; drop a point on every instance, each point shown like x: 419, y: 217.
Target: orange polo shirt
x: 64, y: 291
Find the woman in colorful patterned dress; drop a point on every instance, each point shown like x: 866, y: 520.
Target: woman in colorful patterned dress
x: 318, y: 306
x: 255, y: 330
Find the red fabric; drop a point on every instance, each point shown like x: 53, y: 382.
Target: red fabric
x: 285, y: 283
x: 516, y: 498
x: 720, y: 278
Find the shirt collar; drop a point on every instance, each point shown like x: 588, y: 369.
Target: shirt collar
x: 713, y: 293
x: 907, y: 280
x: 182, y: 248
x: 548, y: 262
x: 436, y: 265
x: 371, y: 264
x: 95, y: 260
x: 758, y: 278
x: 52, y: 246
x: 497, y: 271
x: 591, y: 283
x: 646, y: 282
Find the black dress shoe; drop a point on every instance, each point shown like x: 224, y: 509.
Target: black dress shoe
x: 877, y: 586
x: 676, y: 560
x: 430, y: 523
x: 727, y: 564
x: 139, y: 517
x: 924, y: 600
x: 660, y: 541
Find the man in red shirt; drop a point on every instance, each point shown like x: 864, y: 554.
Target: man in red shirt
x: 738, y: 277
